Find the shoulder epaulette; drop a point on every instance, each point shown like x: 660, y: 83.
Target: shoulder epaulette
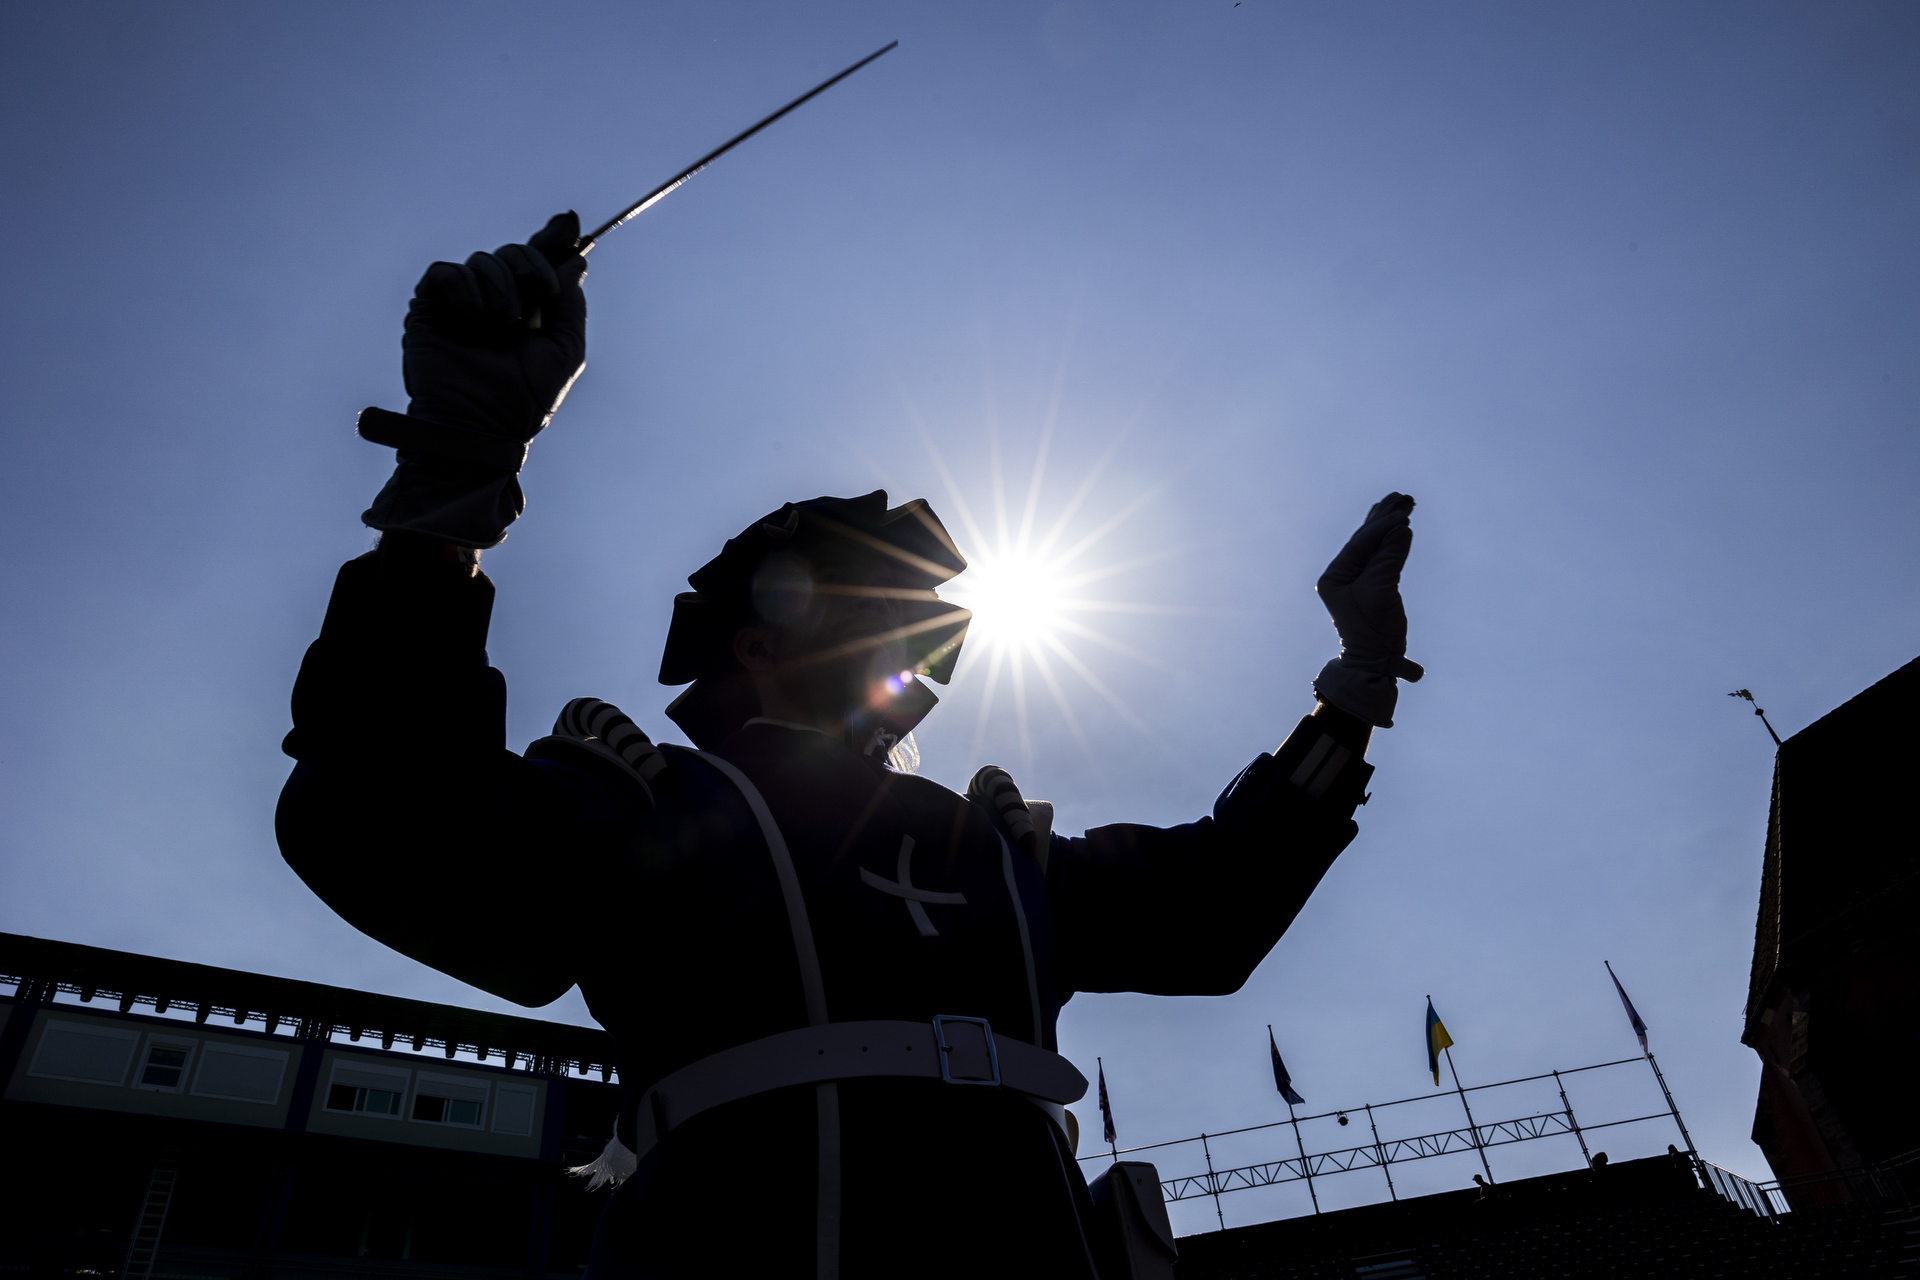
x: 607, y: 734
x: 1028, y: 824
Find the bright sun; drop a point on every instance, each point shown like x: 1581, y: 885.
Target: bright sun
x: 1017, y: 600
x: 1027, y: 583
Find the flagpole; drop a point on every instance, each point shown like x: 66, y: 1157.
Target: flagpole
x: 1684, y: 1135
x: 1471, y: 1126
x: 1640, y: 1031
x: 1106, y: 1111
x: 1306, y: 1169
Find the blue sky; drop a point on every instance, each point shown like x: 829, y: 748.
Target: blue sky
x: 1623, y: 294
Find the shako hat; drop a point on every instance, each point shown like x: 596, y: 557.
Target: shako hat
x: 779, y: 571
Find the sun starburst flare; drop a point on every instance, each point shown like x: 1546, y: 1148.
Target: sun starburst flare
x: 1016, y: 600
x: 1028, y: 587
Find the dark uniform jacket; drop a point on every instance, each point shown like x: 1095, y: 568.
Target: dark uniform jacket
x: 526, y: 876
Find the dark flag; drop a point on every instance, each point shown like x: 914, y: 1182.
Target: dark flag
x: 1633, y: 1015
x: 1106, y: 1108
x: 1281, y: 1080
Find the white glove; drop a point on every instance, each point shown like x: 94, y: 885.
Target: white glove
x: 1361, y: 589
x: 484, y: 377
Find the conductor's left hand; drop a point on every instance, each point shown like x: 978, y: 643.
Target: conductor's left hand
x: 1361, y: 589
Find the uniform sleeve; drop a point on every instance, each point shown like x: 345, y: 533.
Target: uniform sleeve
x: 407, y: 814
x: 1193, y: 909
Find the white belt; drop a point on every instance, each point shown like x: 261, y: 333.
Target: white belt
x: 959, y: 1051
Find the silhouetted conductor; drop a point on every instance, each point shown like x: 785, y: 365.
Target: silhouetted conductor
x: 842, y: 976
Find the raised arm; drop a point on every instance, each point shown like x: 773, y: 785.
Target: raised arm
x: 406, y: 813
x: 1193, y: 909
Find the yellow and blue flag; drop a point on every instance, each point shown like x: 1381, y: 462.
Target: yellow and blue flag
x: 1437, y: 1039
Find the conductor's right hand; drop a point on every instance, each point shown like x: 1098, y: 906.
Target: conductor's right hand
x: 493, y: 343
x: 491, y: 346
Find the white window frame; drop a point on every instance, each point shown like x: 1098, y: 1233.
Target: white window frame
x: 402, y: 1077
x: 532, y: 1094
x: 122, y: 1034
x: 164, y: 1042
x: 243, y: 1051
x: 421, y: 1085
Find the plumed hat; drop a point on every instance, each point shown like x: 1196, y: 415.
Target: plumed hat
x: 780, y: 568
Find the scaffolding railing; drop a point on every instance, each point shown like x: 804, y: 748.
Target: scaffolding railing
x: 1322, y: 1164
x: 1382, y: 1152
x: 1764, y: 1199
x: 1880, y: 1183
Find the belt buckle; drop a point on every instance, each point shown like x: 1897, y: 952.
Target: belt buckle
x: 970, y: 1051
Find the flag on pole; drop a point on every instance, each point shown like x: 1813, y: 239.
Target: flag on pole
x: 1106, y: 1108
x: 1281, y: 1080
x: 1633, y: 1015
x: 1437, y: 1039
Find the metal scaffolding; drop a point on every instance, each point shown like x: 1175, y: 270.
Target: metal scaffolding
x: 1383, y: 1152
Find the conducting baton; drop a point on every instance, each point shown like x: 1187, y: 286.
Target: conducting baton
x: 660, y: 192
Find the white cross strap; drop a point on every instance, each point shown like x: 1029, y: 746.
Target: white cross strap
x: 904, y: 888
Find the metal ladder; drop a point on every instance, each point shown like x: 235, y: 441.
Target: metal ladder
x: 153, y: 1216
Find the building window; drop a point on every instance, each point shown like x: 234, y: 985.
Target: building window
x: 240, y: 1072
x: 165, y: 1066
x: 438, y: 1110
x: 513, y: 1109
x: 366, y: 1088
x: 84, y: 1051
x: 378, y: 1102
x: 449, y: 1099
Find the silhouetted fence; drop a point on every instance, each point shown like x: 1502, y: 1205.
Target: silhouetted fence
x: 1382, y: 1152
